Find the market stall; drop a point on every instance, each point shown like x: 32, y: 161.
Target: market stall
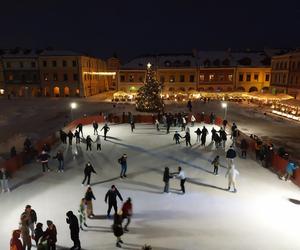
x: 287, y: 108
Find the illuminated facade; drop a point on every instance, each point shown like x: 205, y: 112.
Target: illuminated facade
x: 286, y: 74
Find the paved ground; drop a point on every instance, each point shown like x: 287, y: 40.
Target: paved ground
x: 259, y: 216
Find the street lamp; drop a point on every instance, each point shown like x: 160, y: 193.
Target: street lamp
x: 224, y: 106
x: 73, y: 105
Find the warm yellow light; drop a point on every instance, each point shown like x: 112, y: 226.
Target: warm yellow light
x: 224, y: 105
x: 1, y: 91
x: 73, y: 105
x: 149, y: 65
x: 100, y: 73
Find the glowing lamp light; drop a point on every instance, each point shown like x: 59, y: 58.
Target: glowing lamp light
x: 73, y: 105
x: 149, y: 65
x: 224, y: 105
x: 1, y: 91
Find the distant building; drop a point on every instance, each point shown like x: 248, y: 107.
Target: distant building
x: 286, y: 74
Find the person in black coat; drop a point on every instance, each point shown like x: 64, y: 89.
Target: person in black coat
x: 111, y: 196
x: 176, y: 137
x: 117, y: 228
x: 60, y: 158
x: 95, y: 126
x: 89, y: 143
x: 204, y: 133
x: 77, y: 136
x: 244, y: 148
x: 223, y: 136
x: 198, y: 133
x: 70, y: 136
x: 63, y: 136
x: 79, y: 127
x: 187, y: 139
x: 166, y: 179
x: 231, y: 153
x: 105, y: 128
x: 88, y: 170
x: 74, y: 230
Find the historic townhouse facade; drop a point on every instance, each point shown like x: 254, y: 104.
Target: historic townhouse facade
x: 286, y: 74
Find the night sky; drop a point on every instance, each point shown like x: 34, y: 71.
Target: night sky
x: 131, y: 28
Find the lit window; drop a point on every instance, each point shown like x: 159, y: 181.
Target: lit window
x: 211, y: 77
x: 172, y: 79
x: 230, y: 77
x: 256, y: 77
x: 201, y: 77
x: 131, y: 78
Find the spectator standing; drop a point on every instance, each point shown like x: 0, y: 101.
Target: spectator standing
x: 74, y: 230
x: 4, y: 180
x: 60, y: 158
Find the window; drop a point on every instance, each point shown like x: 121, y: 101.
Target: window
x: 172, y: 79
x: 211, y: 77
x: 230, y: 77
x: 45, y: 77
x: 8, y: 65
x: 74, y: 63
x: 162, y: 79
x: 54, y: 63
x: 221, y: 77
x: 248, y: 77
x: 45, y: 63
x: 122, y: 78
x: 21, y: 65
x: 241, y: 77
x: 65, y: 77
x: 192, y: 78
x: 32, y: 64
x: 10, y: 77
x: 201, y: 77
x: 54, y: 77
x: 285, y: 65
x: 256, y: 77
x: 131, y: 78
x: 267, y: 78
x: 181, y: 78
x: 75, y: 77
x: 64, y: 63
x: 141, y: 79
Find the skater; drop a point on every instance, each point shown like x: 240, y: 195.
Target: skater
x: 232, y: 174
x: 88, y: 170
x: 212, y: 118
x: 60, y: 158
x: 127, y: 213
x: 111, y: 196
x: 82, y: 214
x: 43, y: 158
x: 230, y: 154
x: 63, y: 136
x: 25, y: 232
x: 88, y: 143
x: 187, y: 139
x: 234, y: 136
x: 4, y: 180
x: 189, y: 105
x: 15, y: 242
x: 123, y: 163
x: 166, y: 179
x: 132, y: 125
x: 70, y: 136
x: 77, y: 136
x: 224, y: 124
x: 105, y: 128
x: 98, y: 142
x: 79, y: 127
x: 202, y: 117
x: 157, y: 124
x: 46, y: 148
x: 183, y: 124
x: 204, y: 133
x: 216, y: 163
x: 29, y: 217
x: 89, y: 197
x: 223, y: 136
x: 193, y: 119
x: 95, y: 126
x: 213, y: 133
x: 244, y: 148
x: 51, y: 235
x: 290, y: 168
x: 74, y: 230
x: 38, y: 233
x: 198, y: 133
x: 117, y: 228
x: 176, y: 137
x: 180, y: 175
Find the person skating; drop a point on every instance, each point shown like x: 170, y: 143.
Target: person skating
x: 15, y: 242
x: 105, y: 128
x: 89, y: 197
x: 157, y: 124
x: 43, y: 158
x: 88, y: 170
x: 117, y: 228
x: 289, y: 171
x: 127, y: 213
x: 111, y: 197
x: 74, y: 230
x: 132, y: 125
x: 183, y: 124
x: 231, y: 174
x: 231, y: 154
x: 51, y: 235
x: 70, y: 136
x: 213, y: 133
x: 187, y: 139
x: 166, y: 179
x: 224, y: 124
x: 223, y: 136
x: 177, y: 137
x: 79, y: 127
x: 4, y: 180
x: 98, y: 142
x: 63, y: 136
x: 181, y: 175
x: 204, y: 133
x: 29, y: 216
x: 234, y: 136
x: 95, y: 126
x: 77, y: 136
x: 193, y: 119
x: 189, y: 105
x: 82, y: 213
x: 89, y: 143
x: 216, y: 163
x: 244, y: 148
x: 123, y: 163
x: 25, y: 232
x: 198, y: 133
x: 60, y: 158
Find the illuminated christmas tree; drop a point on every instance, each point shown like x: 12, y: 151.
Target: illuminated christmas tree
x: 149, y: 96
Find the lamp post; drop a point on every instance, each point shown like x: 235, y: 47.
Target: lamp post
x: 224, y: 106
x: 73, y: 105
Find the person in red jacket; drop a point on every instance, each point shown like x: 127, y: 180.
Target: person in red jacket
x: 51, y: 235
x: 15, y: 242
x: 127, y: 213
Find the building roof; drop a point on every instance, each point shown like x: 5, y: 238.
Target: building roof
x: 61, y: 53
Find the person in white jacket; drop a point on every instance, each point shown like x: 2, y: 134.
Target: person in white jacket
x: 193, y: 119
x: 231, y: 174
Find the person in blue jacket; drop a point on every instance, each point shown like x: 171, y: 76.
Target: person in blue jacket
x: 289, y: 170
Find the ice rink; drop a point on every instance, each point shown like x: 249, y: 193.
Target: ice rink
x: 259, y: 216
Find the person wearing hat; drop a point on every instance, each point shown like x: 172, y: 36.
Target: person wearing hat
x: 123, y: 163
x: 111, y: 196
x: 74, y: 230
x: 127, y: 213
x: 15, y: 242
